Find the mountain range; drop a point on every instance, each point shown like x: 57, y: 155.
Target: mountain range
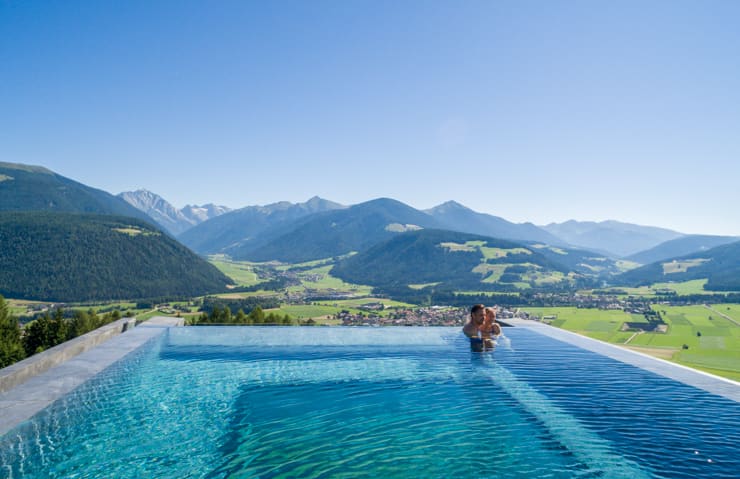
x: 368, y: 239
x: 610, y: 237
x: 250, y: 227
x: 261, y: 233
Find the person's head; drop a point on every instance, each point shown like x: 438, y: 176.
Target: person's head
x: 478, y: 313
x: 490, y: 315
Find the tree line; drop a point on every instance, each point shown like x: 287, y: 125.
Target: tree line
x: 223, y: 315
x: 46, y: 331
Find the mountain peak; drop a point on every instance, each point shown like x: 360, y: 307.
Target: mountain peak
x: 446, y: 207
x: 317, y: 203
x: 172, y: 219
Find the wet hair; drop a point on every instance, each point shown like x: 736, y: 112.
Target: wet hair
x: 476, y: 308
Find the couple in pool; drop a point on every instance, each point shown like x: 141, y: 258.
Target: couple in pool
x: 481, y: 328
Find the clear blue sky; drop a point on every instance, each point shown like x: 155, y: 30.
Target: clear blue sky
x: 538, y: 111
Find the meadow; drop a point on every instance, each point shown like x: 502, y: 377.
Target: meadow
x: 695, y: 286
x: 701, y: 337
x: 320, y: 279
x: 242, y: 273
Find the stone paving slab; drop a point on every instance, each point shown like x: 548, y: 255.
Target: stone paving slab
x: 708, y: 382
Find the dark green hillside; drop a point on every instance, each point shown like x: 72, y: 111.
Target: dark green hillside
x: 338, y: 232
x: 73, y: 257
x: 33, y: 188
x: 719, y: 265
x: 458, y: 260
x: 680, y: 247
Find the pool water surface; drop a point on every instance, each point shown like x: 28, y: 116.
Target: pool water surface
x: 217, y: 402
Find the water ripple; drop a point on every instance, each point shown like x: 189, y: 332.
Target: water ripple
x: 537, y: 409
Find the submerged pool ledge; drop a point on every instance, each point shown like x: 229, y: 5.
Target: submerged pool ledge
x: 699, y: 379
x: 68, y: 368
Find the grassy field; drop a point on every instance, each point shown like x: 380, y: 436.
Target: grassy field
x: 319, y: 313
x: 422, y: 286
x: 322, y: 314
x: 316, y: 278
x: 686, y: 287
x: 599, y: 324
x: 695, y: 286
x: 250, y: 294
x: 697, y: 337
x: 316, y: 263
x: 681, y: 266
x: 21, y: 307
x: 241, y: 272
x: 320, y: 279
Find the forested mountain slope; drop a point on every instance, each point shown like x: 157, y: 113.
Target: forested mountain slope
x: 33, y: 188
x: 719, y: 265
x: 456, y: 260
x: 78, y: 257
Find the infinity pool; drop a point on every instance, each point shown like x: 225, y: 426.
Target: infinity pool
x: 218, y: 402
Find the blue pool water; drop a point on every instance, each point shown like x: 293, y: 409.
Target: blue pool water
x: 217, y: 402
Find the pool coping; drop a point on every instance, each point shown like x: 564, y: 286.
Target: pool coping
x: 20, y: 372
x: 720, y: 386
x: 72, y: 368
x: 23, y: 401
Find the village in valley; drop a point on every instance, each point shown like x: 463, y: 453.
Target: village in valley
x: 456, y: 316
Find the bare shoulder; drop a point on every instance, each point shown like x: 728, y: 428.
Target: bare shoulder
x: 470, y: 329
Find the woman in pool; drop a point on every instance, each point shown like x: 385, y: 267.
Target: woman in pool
x: 490, y: 328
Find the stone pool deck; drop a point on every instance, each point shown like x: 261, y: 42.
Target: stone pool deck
x: 40, y: 381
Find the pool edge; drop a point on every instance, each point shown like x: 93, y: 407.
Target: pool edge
x: 21, y: 402
x: 711, y: 383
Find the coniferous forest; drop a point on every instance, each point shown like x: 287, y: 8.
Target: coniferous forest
x: 73, y: 257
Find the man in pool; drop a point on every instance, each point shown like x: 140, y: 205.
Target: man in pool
x: 472, y: 327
